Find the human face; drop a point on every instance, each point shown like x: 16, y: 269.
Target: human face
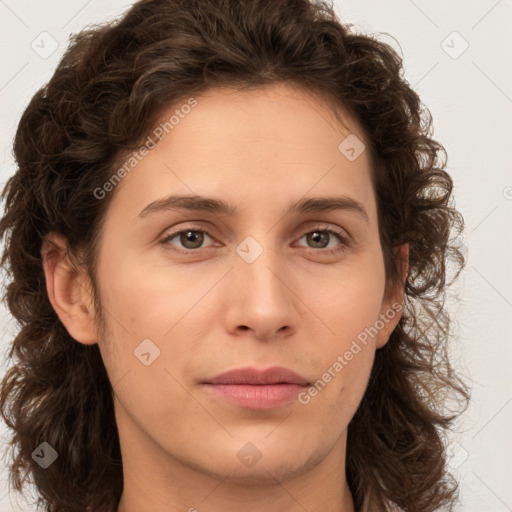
x: 256, y: 289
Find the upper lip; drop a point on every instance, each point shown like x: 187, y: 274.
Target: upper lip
x: 274, y: 375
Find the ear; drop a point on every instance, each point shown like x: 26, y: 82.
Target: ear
x: 392, y: 305
x: 68, y: 290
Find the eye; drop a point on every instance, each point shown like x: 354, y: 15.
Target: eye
x: 190, y: 239
x: 320, y: 238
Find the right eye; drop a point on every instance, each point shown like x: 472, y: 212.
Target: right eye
x: 190, y: 238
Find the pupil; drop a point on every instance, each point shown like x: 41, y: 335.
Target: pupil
x: 316, y: 235
x: 189, y: 237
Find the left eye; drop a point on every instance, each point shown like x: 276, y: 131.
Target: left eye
x: 319, y: 236
x: 192, y: 239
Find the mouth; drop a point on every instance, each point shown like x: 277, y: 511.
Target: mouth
x: 257, y: 389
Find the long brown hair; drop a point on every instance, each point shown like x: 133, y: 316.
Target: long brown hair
x: 103, y: 99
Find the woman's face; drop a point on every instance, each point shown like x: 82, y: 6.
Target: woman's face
x: 261, y: 286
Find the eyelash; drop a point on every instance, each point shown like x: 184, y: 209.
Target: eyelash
x: 345, y: 243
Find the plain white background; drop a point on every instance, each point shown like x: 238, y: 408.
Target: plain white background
x: 457, y: 57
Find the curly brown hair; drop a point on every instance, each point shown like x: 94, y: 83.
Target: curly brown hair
x: 103, y: 99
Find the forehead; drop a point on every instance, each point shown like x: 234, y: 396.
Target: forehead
x: 260, y: 114
x: 273, y: 143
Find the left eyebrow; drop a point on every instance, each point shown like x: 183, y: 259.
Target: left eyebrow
x: 218, y: 206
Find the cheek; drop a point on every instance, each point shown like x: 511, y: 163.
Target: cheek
x: 348, y: 305
x: 149, y: 300
x: 141, y: 306
x: 163, y: 305
x: 347, y: 301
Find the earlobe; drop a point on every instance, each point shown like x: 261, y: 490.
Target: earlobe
x: 67, y: 291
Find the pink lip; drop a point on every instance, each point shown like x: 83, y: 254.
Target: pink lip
x: 257, y: 389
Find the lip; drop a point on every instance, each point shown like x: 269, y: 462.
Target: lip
x: 257, y: 389
x: 249, y: 375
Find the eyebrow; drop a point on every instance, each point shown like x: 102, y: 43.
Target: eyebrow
x: 218, y: 206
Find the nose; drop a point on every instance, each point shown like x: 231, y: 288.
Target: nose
x: 261, y: 297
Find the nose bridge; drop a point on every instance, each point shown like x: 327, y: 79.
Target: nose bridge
x: 258, y: 262
x: 262, y: 297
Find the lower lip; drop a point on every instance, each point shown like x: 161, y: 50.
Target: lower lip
x: 257, y: 396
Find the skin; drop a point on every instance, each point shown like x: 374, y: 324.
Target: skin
x: 212, y: 311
